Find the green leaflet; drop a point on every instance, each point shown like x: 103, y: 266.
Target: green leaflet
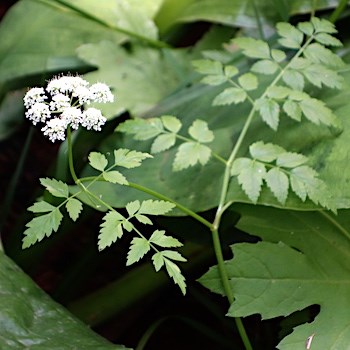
x: 290, y: 270
x: 55, y: 187
x: 74, y: 208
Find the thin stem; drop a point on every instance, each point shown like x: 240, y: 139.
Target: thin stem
x: 70, y: 156
x: 337, y: 12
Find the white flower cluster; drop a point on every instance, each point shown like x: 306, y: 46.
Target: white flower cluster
x: 61, y: 105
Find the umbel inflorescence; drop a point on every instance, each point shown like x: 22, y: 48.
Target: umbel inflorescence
x: 61, y: 105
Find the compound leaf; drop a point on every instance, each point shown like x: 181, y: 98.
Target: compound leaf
x: 111, y: 229
x: 160, y: 238
x: 98, y: 161
x: 190, y: 154
x: 138, y: 249
x: 200, y: 132
x: 41, y: 226
x: 74, y: 207
x: 151, y: 207
x: 229, y: 96
x: 129, y: 159
x: 55, y: 187
x: 289, y: 271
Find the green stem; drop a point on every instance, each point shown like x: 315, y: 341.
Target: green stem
x: 70, y: 156
x: 337, y: 12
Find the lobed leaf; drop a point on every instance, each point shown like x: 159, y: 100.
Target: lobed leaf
x: 171, y: 123
x: 175, y: 273
x: 97, y: 160
x: 74, y: 208
x: 159, y: 238
x: 200, y: 132
x: 319, y: 75
x: 319, y: 54
x: 253, y: 48
x: 41, y: 226
x: 290, y: 159
x: 229, y: 96
x: 138, y: 249
x: 55, y: 187
x: 323, y: 26
x: 190, y: 154
x: 111, y: 229
x: 278, y: 55
x: 230, y: 71
x: 129, y: 159
x: 143, y: 219
x: 158, y: 260
x: 278, y: 92
x: 173, y: 255
x: 306, y: 27
x: 292, y: 37
x: 214, y: 80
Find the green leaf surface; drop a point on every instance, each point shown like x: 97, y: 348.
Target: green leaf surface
x: 129, y: 158
x: 141, y: 129
x: 163, y: 142
x: 200, y: 132
x: 138, y: 249
x: 269, y: 111
x: 41, y: 226
x: 175, y: 273
x: 328, y: 40
x: 248, y: 81
x: 319, y: 54
x: 265, y: 152
x: 278, y: 183
x: 133, y: 207
x: 98, y: 161
x: 253, y: 48
x: 161, y: 239
x: 55, y: 187
x: 303, y: 260
x: 292, y: 109
x: 31, y: 319
x: 229, y: 96
x: 190, y: 154
x: 171, y: 123
x: 115, y: 177
x: 319, y: 75
x: 293, y: 79
x: 290, y: 159
x: 111, y: 229
x: 292, y: 37
x: 208, y: 67
x: 152, y: 207
x: 265, y: 67
x: 173, y: 255
x: 74, y: 208
x: 41, y: 207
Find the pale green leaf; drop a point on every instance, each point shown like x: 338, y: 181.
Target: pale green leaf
x: 55, y: 187
x: 293, y: 79
x: 127, y: 225
x: 299, y: 63
x: 97, y: 160
x: 251, y: 179
x: 74, y: 208
x: 190, y: 154
x: 278, y: 92
x: 290, y: 159
x: 129, y: 159
x: 318, y: 74
x: 327, y: 39
x: 158, y: 260
x: 278, y: 55
x: 41, y: 226
x: 200, y: 132
x: 208, y: 67
x: 138, y: 249
x: 239, y: 164
x: 229, y: 96
x: 152, y: 207
x: 322, y: 25
x: 111, y: 229
x: 292, y: 37
x: 278, y: 183
x: 160, y: 238
x: 175, y: 273
x: 292, y: 109
x: 171, y: 123
x: 253, y: 48
x: 248, y: 81
x: 269, y: 111
x: 214, y: 80
x: 143, y: 219
x: 265, y: 67
x: 319, y: 54
x: 115, y: 177
x: 133, y: 207
x: 142, y: 129
x: 41, y: 207
x: 317, y: 112
x: 163, y: 142
x: 230, y: 71
x: 173, y: 255
x: 306, y: 27
x: 265, y: 152
x: 298, y: 186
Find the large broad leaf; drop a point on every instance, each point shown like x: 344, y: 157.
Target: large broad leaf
x: 29, y: 319
x: 303, y: 260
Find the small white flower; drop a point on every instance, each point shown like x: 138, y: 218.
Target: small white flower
x: 59, y: 102
x: 33, y: 96
x: 55, y: 129
x: 39, y: 112
x: 83, y: 94
x: 101, y: 93
x: 65, y: 84
x: 92, y: 118
x: 72, y: 116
